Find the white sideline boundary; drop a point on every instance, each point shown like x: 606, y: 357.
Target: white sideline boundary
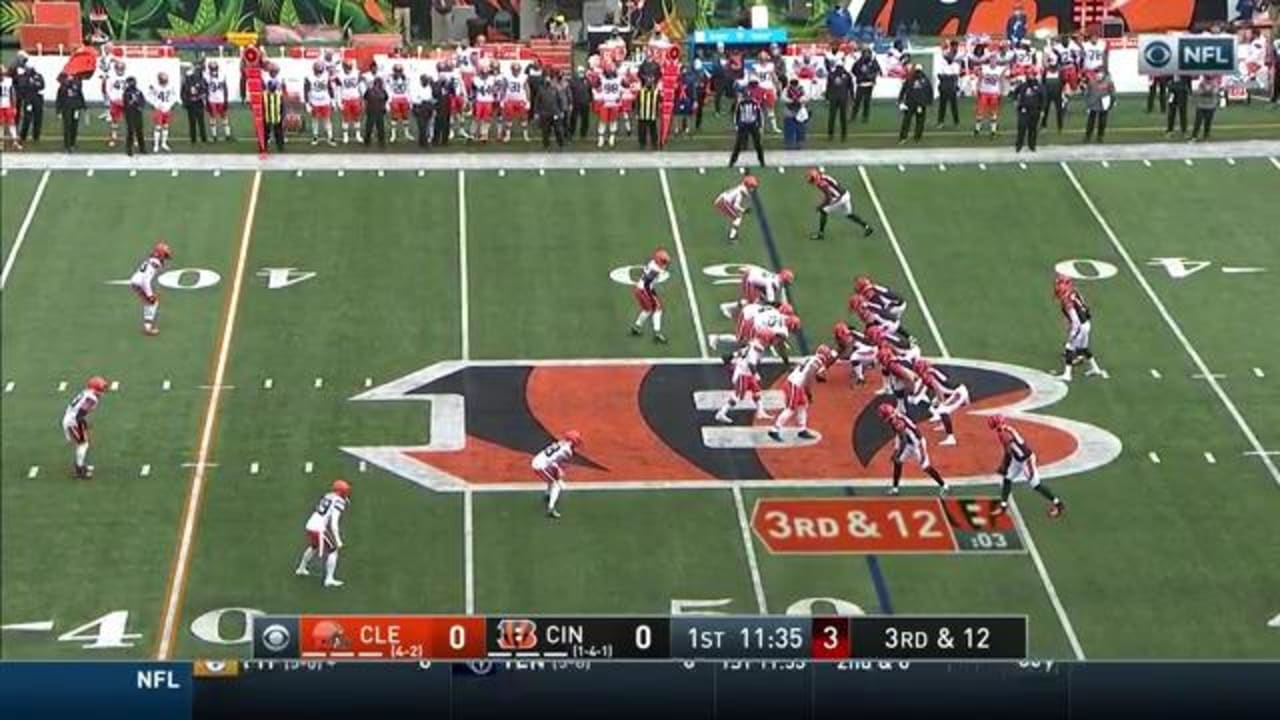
x: 1059, y: 609
x: 22, y: 230
x: 452, y: 162
x: 468, y: 502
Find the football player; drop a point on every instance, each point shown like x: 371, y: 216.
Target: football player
x: 398, y: 87
x: 903, y: 346
x: 113, y: 88
x: 799, y: 395
x: 991, y: 82
x: 763, y: 72
x: 1079, y: 325
x: 880, y: 297
x: 548, y: 465
x: 351, y: 91
x: 1019, y: 463
x: 746, y: 385
x: 908, y: 444
x: 318, y: 91
x: 855, y: 348
x: 760, y: 285
x: 646, y: 295
x: 608, y: 96
x: 218, y: 103
x: 515, y: 104
x: 162, y: 96
x: 484, y: 93
x: 834, y: 197
x: 871, y: 315
x: 75, y: 423
x: 8, y: 111
x: 735, y: 202
x: 945, y: 396
x: 143, y: 284
x: 324, y: 536
x: 1093, y: 56
x: 900, y: 379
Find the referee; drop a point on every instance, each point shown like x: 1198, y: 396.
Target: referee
x: 273, y: 108
x: 746, y: 115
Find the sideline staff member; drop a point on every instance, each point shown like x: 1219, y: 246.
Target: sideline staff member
x: 747, y: 115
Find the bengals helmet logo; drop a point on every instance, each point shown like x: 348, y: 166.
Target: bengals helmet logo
x: 650, y: 424
x: 517, y: 634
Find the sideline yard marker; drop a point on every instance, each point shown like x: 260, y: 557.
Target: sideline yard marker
x: 166, y: 385
x: 307, y: 467
x: 1155, y: 373
x: 1258, y: 373
x: 62, y: 386
x: 1153, y: 457
x: 145, y: 470
x: 253, y: 468
x: 268, y: 384
x: 8, y: 387
x: 33, y: 472
x: 319, y: 383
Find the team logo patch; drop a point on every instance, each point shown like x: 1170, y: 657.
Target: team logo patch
x: 650, y: 424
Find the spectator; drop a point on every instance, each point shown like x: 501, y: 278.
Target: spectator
x: 865, y: 71
x: 648, y: 102
x: 134, y: 102
x: 546, y: 106
x: 1029, y: 98
x: 69, y: 104
x: 1100, y: 95
x: 558, y: 27
x: 1179, y: 97
x: 30, y: 103
x: 795, y: 115
x: 402, y: 10
x: 1015, y: 28
x: 949, y: 85
x: 375, y: 112
x: 914, y: 101
x: 273, y: 108
x: 747, y: 116
x: 1206, y: 105
x: 195, y: 91
x: 423, y: 107
x: 580, y: 109
x: 839, y: 90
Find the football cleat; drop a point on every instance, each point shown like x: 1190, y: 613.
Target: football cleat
x: 301, y: 571
x: 776, y: 435
x: 151, y: 330
x: 553, y: 514
x: 948, y: 441
x: 636, y: 331
x: 868, y: 231
x: 944, y: 491
x: 894, y: 490
x: 1057, y: 508
x: 816, y: 236
x: 660, y: 338
x: 333, y: 582
x: 1000, y: 509
x: 806, y: 435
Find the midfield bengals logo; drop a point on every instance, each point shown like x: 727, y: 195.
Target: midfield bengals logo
x: 650, y: 424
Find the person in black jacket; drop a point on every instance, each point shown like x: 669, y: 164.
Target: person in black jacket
x: 134, y: 103
x: 580, y: 110
x: 549, y: 113
x: 1157, y: 85
x: 30, y: 90
x: 1179, y: 97
x: 914, y: 101
x: 442, y: 91
x: 1029, y: 99
x: 70, y: 104
x: 375, y: 113
x: 747, y: 116
x: 949, y: 85
x: 839, y: 89
x: 194, y: 93
x: 865, y: 72
x: 1054, y: 99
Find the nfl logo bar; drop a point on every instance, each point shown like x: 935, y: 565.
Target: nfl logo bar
x: 517, y: 634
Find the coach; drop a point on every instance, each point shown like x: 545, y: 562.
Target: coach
x: 1029, y: 98
x: 839, y: 90
x: 914, y: 102
x: 746, y: 116
x: 865, y: 72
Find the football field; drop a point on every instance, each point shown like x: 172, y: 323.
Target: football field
x: 422, y: 334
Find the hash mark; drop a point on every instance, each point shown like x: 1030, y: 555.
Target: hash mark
x: 8, y: 387
x: 1231, y: 161
x: 1154, y: 457
x: 1189, y: 162
x: 166, y: 385
x: 422, y: 173
x: 1202, y: 376
x: 319, y: 383
x: 145, y: 471
x: 33, y: 472
x: 173, y: 173
x: 196, y: 465
x: 88, y: 173
x: 942, y: 167
x: 1146, y: 163
x: 1155, y: 373
x: 1022, y: 165
x: 307, y: 467
x: 363, y: 466
x: 1209, y: 458
x: 368, y: 382
x: 133, y: 173
x: 62, y: 386
x: 342, y: 173
x: 1106, y: 164
x: 268, y: 383
x: 253, y: 468
x: 381, y: 173
x: 217, y: 387
x: 1258, y: 373
x: 115, y: 385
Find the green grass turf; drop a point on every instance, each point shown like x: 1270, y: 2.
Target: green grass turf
x: 1129, y: 122
x: 19, y: 187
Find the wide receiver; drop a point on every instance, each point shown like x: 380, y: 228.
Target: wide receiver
x: 1079, y: 325
x: 75, y: 423
x: 143, y: 284
x: 324, y: 537
x: 645, y: 292
x: 734, y: 203
x: 549, y: 463
x: 908, y: 444
x: 1019, y: 463
x: 834, y: 197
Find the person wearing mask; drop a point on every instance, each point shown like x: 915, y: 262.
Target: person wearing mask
x: 648, y: 101
x: 134, y: 103
x: 423, y: 108
x: 914, y: 101
x: 30, y: 84
x: 70, y: 105
x: 949, y: 85
x: 547, y: 110
x: 195, y: 94
x: 273, y: 107
x: 865, y: 71
x: 442, y: 90
x: 839, y: 91
x: 747, y: 115
x: 1028, y: 99
x: 795, y: 115
x: 1207, y: 96
x: 1179, y: 97
x: 375, y: 112
x: 1099, y: 96
x: 579, y: 118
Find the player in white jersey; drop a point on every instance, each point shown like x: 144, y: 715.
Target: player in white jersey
x: 746, y: 386
x: 350, y: 92
x: 143, y: 285
x: 908, y: 444
x: 799, y: 395
x: 399, y: 89
x: 75, y: 423
x: 113, y: 85
x: 515, y: 103
x: 735, y: 202
x: 608, y: 100
x: 763, y: 72
x: 549, y: 463
x: 645, y: 292
x: 162, y: 96
x: 944, y: 395
x: 218, y: 98
x: 324, y: 533
x: 759, y: 284
x: 317, y: 91
x: 484, y: 97
x: 8, y: 110
x: 1094, y: 56
x: 991, y: 82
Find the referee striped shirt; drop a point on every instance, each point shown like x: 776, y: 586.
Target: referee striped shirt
x: 747, y: 114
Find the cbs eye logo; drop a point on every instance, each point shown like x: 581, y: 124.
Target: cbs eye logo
x: 1158, y: 54
x: 275, y: 637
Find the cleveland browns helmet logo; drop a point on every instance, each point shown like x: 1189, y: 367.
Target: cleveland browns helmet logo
x: 650, y: 424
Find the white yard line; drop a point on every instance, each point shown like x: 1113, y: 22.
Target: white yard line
x: 22, y: 229
x: 1059, y: 609
x: 1276, y: 162
x: 468, y: 505
x: 1200, y: 364
x: 195, y: 494
x: 686, y: 272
